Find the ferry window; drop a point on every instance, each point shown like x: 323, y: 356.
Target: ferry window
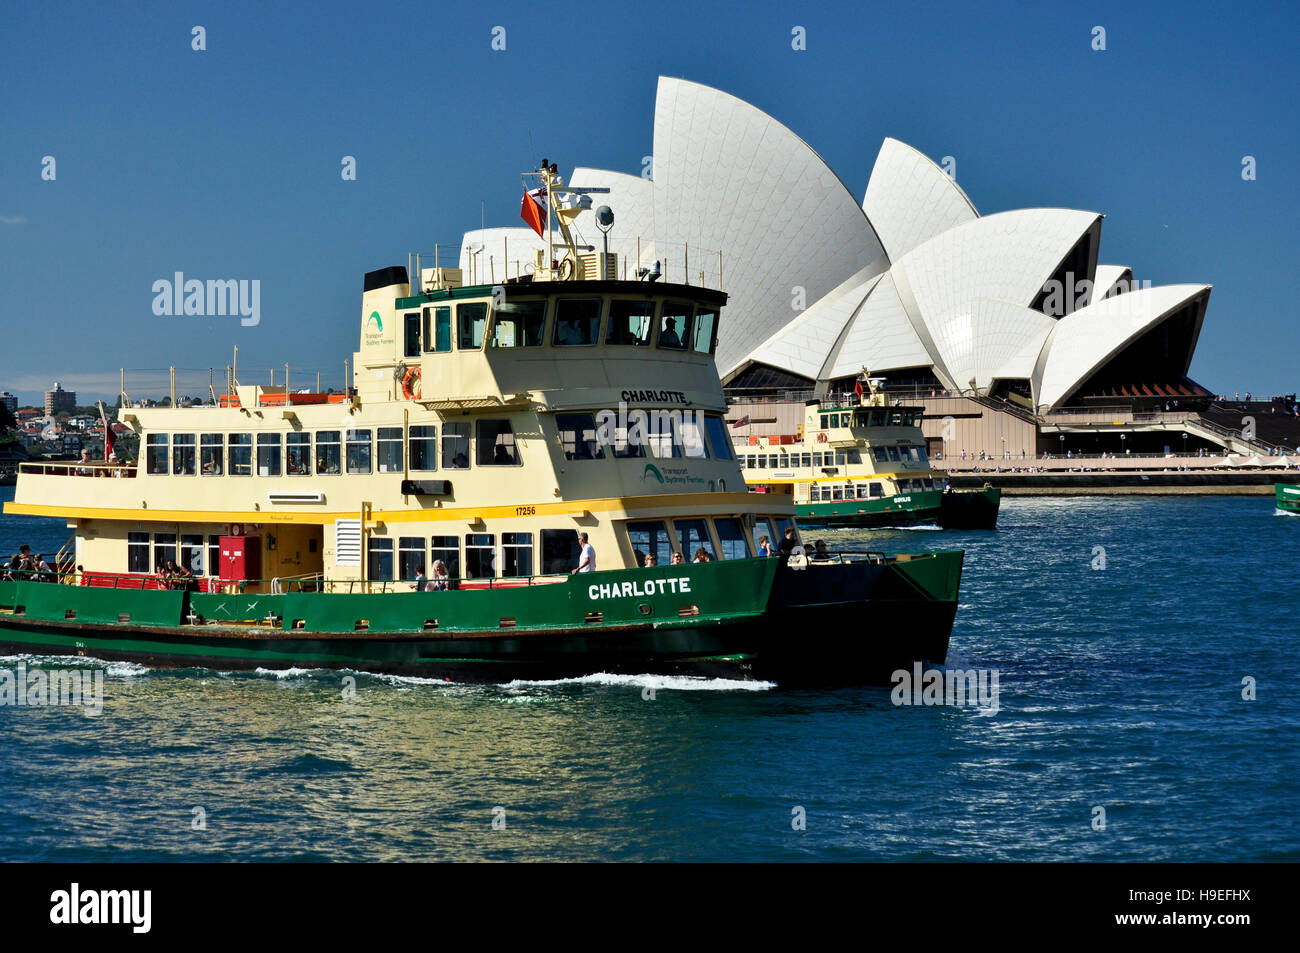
x: 560, y: 551
x: 878, y: 418
x: 893, y: 454
x: 877, y: 489
x: 240, y: 446
x: 704, y: 337
x: 807, y: 459
x: 297, y: 448
x: 192, y: 554
x: 437, y: 329
x: 423, y: 448
x: 629, y: 441
x: 783, y: 523
x: 411, y: 332
x: 455, y: 446
x: 390, y: 449
x: 480, y: 555
x: 881, y: 454
x: 214, y: 555
x: 137, y: 552
x: 825, y: 421
x: 719, y: 441
x: 578, y: 437
x: 895, y: 418
x: 765, y: 527
x: 183, y: 454
x: 156, y: 453
x: 785, y: 461
x: 164, y: 548
x: 520, y: 324
x: 630, y: 322
x: 381, y: 559
x: 516, y: 554
x: 471, y: 318
x: 410, y: 557
x: 693, y: 535
x: 328, y: 458
x: 692, y: 437
x: 839, y: 458
x: 664, y: 439
x: 358, y: 451
x: 268, y: 454
x: 577, y: 322
x: 751, y: 461
x: 731, y: 538
x: 650, y: 537
x: 211, y: 458
x: 675, y: 325
x: 814, y: 493
x: 445, y: 549
x: 853, y: 456
x: 864, y: 491
x: 496, y: 444
x: 922, y: 456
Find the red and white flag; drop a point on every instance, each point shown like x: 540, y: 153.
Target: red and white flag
x: 743, y: 421
x: 110, y: 438
x: 533, y: 209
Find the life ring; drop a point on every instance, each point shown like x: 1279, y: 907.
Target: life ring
x: 821, y: 438
x: 410, y: 381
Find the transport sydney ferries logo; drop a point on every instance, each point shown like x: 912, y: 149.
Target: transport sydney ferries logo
x: 373, y: 330
x: 667, y: 475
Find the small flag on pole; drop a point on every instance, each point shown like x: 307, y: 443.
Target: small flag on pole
x: 743, y: 421
x: 533, y: 209
x: 110, y: 438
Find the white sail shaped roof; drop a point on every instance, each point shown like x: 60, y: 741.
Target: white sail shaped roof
x: 910, y: 200
x: 1111, y: 280
x: 881, y: 336
x: 992, y: 339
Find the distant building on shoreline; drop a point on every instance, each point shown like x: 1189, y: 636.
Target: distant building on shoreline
x: 9, y: 402
x: 60, y: 400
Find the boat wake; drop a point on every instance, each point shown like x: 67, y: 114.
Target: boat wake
x: 111, y: 669
x: 673, y: 683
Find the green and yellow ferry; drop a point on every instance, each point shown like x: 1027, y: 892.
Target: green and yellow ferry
x: 1288, y: 497
x: 427, y: 523
x: 856, y: 462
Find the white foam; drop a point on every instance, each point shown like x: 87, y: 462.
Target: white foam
x: 678, y: 683
x: 111, y: 669
x: 1282, y: 512
x: 283, y: 673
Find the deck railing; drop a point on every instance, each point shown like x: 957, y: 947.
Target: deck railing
x: 79, y: 469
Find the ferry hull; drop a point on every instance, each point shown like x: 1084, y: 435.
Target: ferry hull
x: 756, y: 620
x: 951, y: 509
x: 970, y: 509
x: 1288, y: 497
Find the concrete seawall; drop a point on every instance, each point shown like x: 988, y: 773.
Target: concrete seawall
x: 1131, y: 483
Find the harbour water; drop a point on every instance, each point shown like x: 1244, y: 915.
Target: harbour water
x: 1124, y: 632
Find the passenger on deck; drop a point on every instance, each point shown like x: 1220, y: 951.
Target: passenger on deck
x: 421, y: 580
x: 788, y: 543
x: 702, y: 556
x: 651, y: 560
x: 819, y: 553
x: 293, y: 466
x: 440, y: 581
x: 84, y: 467
x: 587, y: 555
x: 677, y: 559
x: 764, y: 546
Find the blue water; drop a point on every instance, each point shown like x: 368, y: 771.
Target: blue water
x: 1121, y: 688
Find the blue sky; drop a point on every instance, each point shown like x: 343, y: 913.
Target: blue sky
x: 225, y: 163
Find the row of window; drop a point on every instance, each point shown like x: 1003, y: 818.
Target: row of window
x: 832, y: 492
x: 728, y: 540
x: 482, y: 557
x: 198, y: 553
x: 667, y: 434
x: 577, y: 322
x: 782, y: 460
x: 379, y: 450
x: 871, y: 417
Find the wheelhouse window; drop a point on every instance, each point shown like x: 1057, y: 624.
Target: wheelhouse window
x: 628, y: 441
x: 297, y: 452
x: 358, y: 451
x: 880, y: 453
x: 480, y: 555
x: 411, y: 334
x: 578, y: 437
x: 719, y: 439
x: 496, y: 444
x: 381, y: 559
x: 764, y: 526
x: 664, y: 439
x: 183, y: 454
x: 675, y: 325
x: 516, y: 554
x: 455, y: 446
x: 520, y: 324
x: 410, y: 557
x: 650, y: 537
x: 268, y: 454
x: 437, y: 329
x: 156, y: 453
x: 328, y: 455
x: 240, y: 448
x: 560, y: 551
x: 704, y: 336
x: 630, y: 322
x: 731, y: 538
x: 577, y: 322
x: 447, y: 550
x: 471, y: 319
x: 137, y: 552
x: 693, y: 535
x: 211, y: 456
x: 389, y: 450
x: 692, y: 436
x: 893, y: 454
x: 423, y: 447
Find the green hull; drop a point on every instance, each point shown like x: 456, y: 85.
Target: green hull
x: 741, y: 618
x: 903, y: 509
x: 1288, y: 497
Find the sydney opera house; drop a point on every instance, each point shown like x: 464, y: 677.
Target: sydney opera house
x: 1007, y: 310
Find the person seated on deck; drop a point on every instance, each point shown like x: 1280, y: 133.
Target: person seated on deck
x: 44, y: 571
x: 293, y: 466
x: 421, y: 580
x: 702, y: 555
x: 651, y: 560
x: 164, y: 579
x: 440, y: 581
x: 677, y: 559
x: 819, y: 552
x: 84, y: 465
x: 765, y: 546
